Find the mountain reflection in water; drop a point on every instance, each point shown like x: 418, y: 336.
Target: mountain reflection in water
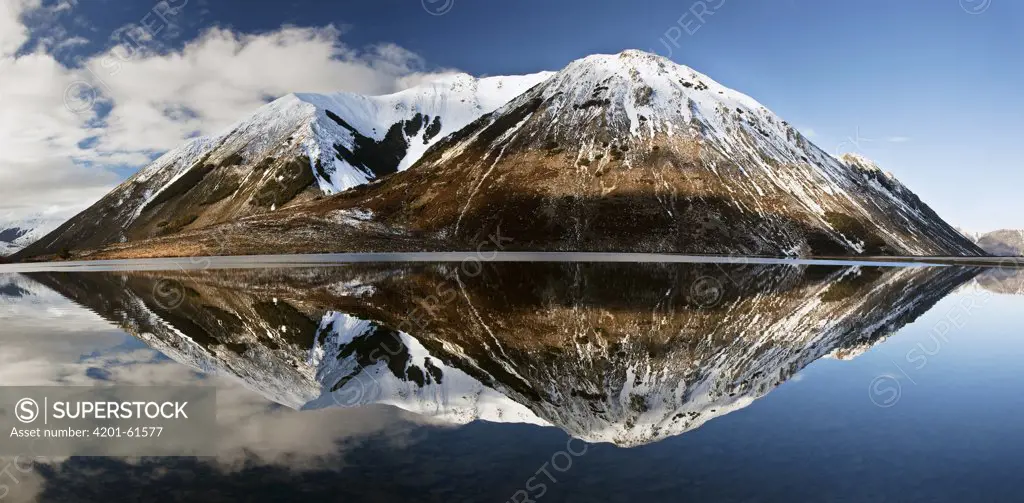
x: 628, y: 354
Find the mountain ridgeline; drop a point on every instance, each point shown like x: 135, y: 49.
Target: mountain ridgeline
x: 627, y: 152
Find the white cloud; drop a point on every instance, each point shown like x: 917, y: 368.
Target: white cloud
x: 897, y: 139
x: 39, y: 136
x: 420, y: 78
x: 65, y: 43
x: 12, y: 32
x: 157, y: 101
x: 55, y: 186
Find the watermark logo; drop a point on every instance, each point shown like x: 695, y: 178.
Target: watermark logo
x: 26, y: 410
x: 361, y: 389
x: 690, y: 22
x: 108, y: 421
x: 169, y: 294
x: 706, y: 291
x: 561, y: 461
x: 885, y: 391
x: 80, y: 97
x: 438, y: 7
x: 975, y: 6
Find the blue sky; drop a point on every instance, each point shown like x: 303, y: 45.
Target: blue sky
x: 927, y: 88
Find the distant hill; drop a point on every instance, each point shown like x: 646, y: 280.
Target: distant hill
x: 1003, y: 243
x: 19, y: 231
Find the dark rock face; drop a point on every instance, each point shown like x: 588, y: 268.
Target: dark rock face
x: 9, y: 235
x: 12, y: 290
x: 379, y: 158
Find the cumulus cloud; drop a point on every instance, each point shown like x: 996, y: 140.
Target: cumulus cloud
x: 63, y: 128
x: 39, y: 136
x: 12, y: 32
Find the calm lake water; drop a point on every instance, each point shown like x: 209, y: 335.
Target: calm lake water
x: 476, y: 381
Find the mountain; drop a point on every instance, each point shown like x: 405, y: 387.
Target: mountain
x: 295, y: 148
x: 634, y: 152
x: 1002, y: 280
x: 1003, y: 243
x: 622, y: 353
x: 19, y: 231
x: 626, y: 152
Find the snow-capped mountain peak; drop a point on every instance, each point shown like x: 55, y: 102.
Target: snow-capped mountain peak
x: 296, y: 147
x: 654, y: 93
x: 396, y: 128
x: 636, y: 132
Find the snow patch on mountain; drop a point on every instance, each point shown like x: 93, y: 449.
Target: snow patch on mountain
x: 19, y: 231
x: 425, y: 385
